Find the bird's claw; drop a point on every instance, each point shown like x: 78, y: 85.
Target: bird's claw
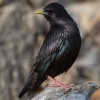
x: 65, y: 86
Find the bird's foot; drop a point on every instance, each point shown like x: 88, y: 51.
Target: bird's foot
x: 58, y: 84
x: 65, y: 86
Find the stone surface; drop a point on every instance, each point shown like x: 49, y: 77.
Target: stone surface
x: 80, y: 92
x: 19, y: 41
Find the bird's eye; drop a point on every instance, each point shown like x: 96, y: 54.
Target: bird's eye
x: 50, y: 11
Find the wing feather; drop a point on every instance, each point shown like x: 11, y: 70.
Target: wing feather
x: 46, y: 56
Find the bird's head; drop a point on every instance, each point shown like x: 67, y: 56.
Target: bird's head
x: 54, y: 12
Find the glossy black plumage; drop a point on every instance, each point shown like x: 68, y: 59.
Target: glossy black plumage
x: 59, y: 50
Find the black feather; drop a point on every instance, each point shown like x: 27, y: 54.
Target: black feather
x: 59, y: 50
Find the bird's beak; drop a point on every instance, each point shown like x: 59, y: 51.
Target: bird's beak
x: 40, y: 12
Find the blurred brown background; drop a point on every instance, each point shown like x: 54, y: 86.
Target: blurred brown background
x: 22, y: 33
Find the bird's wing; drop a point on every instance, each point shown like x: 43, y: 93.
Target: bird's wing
x: 46, y: 56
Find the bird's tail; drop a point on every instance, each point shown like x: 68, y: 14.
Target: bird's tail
x: 27, y: 85
x: 24, y: 90
x: 33, y: 82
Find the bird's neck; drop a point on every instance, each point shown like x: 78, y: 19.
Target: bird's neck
x: 57, y: 22
x: 65, y: 27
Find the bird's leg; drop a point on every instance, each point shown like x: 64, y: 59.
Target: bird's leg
x: 56, y: 83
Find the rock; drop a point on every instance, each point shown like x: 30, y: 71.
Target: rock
x: 20, y: 37
x: 40, y: 3
x: 80, y: 92
x: 4, y: 2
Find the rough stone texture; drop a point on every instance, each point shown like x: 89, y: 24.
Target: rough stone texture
x: 80, y: 92
x: 39, y: 3
x: 19, y: 41
x: 32, y: 3
x: 22, y: 33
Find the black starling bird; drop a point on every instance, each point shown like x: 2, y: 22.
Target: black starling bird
x: 59, y: 50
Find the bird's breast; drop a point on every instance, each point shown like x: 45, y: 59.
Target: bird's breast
x: 68, y: 53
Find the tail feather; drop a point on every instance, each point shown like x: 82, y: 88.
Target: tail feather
x: 36, y: 86
x: 26, y: 88
x: 31, y: 81
x: 22, y: 92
